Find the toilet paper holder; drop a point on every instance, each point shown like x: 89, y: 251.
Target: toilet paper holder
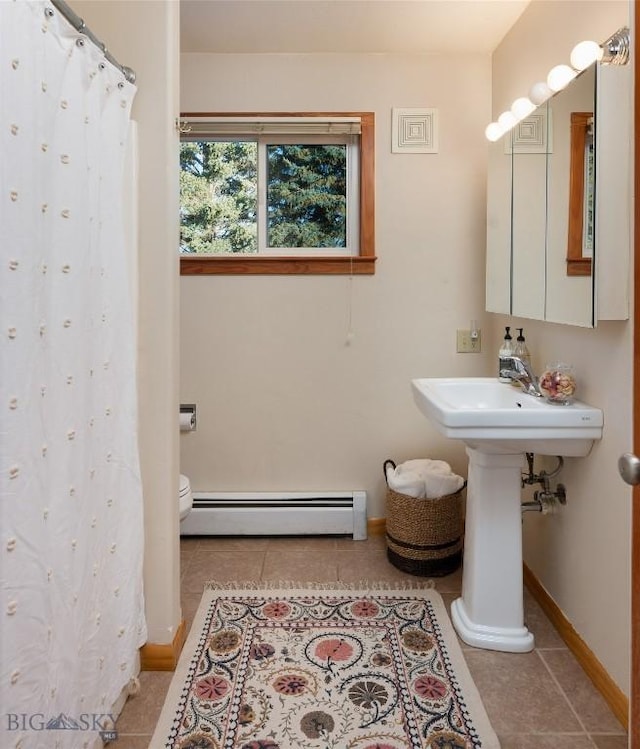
x: 187, y: 417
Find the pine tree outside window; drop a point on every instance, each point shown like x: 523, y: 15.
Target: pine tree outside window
x: 263, y: 194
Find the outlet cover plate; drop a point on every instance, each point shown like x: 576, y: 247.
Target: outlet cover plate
x: 465, y: 344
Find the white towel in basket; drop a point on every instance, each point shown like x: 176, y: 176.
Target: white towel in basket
x: 423, y: 478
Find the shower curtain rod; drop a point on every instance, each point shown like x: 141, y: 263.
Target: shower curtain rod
x: 79, y: 25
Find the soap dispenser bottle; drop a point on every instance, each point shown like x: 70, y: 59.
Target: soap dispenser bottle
x: 506, y: 350
x: 520, y: 349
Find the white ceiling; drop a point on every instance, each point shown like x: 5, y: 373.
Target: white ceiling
x: 411, y: 26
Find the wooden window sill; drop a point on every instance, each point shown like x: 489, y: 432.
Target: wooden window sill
x: 579, y: 266
x: 246, y: 266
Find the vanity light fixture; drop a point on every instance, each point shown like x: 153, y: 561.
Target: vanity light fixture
x: 585, y: 54
x: 493, y: 132
x: 616, y: 48
x: 539, y: 93
x: 614, y: 51
x: 507, y: 120
x: 560, y: 77
x: 522, y: 108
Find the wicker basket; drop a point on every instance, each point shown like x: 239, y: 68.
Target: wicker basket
x: 424, y: 536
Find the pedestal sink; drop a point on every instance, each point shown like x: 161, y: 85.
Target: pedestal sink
x: 499, y: 424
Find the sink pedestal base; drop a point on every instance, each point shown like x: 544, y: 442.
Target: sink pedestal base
x: 490, y: 613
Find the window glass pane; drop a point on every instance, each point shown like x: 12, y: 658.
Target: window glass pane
x: 589, y: 195
x: 306, y: 196
x: 218, y: 197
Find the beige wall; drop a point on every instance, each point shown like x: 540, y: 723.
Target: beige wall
x: 143, y: 34
x: 582, y: 554
x: 283, y: 403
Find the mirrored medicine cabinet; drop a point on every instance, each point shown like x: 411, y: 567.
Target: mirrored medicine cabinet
x: 558, y: 205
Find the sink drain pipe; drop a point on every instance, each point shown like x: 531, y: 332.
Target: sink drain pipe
x: 545, y: 500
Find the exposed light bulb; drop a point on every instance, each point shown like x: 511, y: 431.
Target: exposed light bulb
x: 560, y: 76
x: 506, y: 121
x: 540, y: 92
x: 585, y: 54
x: 522, y: 108
x: 493, y: 132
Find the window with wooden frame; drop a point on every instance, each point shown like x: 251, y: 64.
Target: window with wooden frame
x: 581, y: 195
x: 277, y: 193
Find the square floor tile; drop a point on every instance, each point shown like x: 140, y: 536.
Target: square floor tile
x: 610, y: 742
x: 141, y: 711
x: 519, y: 694
x: 545, y: 741
x: 221, y: 565
x: 190, y: 603
x: 129, y: 741
x: 233, y: 543
x: 545, y: 634
x: 354, y: 567
x: 325, y: 544
x: 301, y: 566
x: 346, y: 543
x: 588, y: 703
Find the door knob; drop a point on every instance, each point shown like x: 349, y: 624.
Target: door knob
x: 629, y: 467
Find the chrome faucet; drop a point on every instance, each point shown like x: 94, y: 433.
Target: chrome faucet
x: 518, y: 369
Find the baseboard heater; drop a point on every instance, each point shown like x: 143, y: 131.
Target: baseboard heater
x: 277, y: 514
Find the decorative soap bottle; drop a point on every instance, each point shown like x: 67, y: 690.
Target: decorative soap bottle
x: 506, y: 351
x: 520, y: 349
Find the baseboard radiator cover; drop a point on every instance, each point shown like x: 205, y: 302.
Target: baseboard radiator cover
x: 277, y: 514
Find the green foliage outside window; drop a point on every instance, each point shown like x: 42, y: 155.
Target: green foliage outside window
x: 218, y: 197
x: 307, y: 188
x: 306, y: 196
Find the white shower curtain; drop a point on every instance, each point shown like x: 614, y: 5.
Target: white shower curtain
x: 71, y: 505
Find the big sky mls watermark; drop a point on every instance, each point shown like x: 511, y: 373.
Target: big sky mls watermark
x: 101, y: 723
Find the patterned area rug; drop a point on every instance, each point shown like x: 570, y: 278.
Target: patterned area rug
x: 322, y: 667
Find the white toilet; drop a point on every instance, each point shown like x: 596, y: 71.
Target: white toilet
x: 185, y: 498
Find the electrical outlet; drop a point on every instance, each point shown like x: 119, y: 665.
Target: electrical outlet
x: 466, y: 344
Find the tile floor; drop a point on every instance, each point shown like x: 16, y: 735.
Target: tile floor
x: 537, y: 700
